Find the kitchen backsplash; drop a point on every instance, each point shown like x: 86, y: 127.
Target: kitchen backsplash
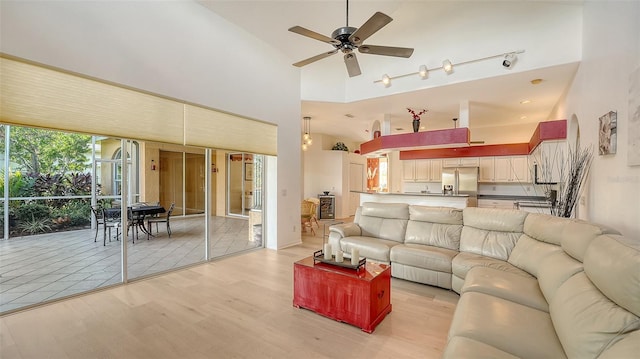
x: 507, y: 189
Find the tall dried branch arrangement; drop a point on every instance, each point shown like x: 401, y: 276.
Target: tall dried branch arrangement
x: 574, y: 172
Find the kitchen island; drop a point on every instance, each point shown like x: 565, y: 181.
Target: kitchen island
x: 423, y: 199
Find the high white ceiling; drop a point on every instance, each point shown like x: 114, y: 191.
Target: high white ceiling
x: 494, y: 95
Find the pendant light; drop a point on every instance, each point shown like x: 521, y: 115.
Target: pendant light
x: 306, y: 136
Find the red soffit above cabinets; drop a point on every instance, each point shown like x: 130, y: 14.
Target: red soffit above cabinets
x: 545, y: 131
x: 457, y: 137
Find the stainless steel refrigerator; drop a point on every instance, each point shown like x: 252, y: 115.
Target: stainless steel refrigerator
x: 463, y: 180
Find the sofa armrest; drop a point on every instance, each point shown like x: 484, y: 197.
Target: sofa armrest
x: 346, y: 229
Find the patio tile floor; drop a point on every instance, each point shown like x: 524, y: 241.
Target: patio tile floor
x: 44, y: 267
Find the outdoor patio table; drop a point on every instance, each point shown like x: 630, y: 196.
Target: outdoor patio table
x: 141, y: 212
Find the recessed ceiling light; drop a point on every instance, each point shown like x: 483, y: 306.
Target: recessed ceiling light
x: 523, y: 117
x: 524, y: 102
x: 349, y: 115
x: 536, y: 81
x: 399, y: 129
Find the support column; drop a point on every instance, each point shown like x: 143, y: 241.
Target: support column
x: 463, y: 116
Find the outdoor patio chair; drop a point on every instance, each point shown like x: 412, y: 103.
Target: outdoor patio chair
x: 111, y: 218
x: 135, y: 221
x: 162, y: 219
x: 99, y: 217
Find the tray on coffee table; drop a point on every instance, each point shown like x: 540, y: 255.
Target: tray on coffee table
x: 318, y: 256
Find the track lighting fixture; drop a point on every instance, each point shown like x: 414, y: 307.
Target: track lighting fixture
x: 423, y: 72
x: 509, y: 59
x: 447, y: 66
x: 386, y: 80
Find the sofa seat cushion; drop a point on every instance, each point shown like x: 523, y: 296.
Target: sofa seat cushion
x: 510, y: 327
x: 461, y: 347
x: 373, y: 248
x: 505, y: 285
x: 428, y: 257
x: 463, y: 262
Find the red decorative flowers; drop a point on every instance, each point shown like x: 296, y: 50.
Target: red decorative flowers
x: 416, y: 116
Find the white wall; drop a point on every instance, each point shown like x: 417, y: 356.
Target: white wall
x: 327, y: 170
x: 177, y: 49
x: 611, y: 51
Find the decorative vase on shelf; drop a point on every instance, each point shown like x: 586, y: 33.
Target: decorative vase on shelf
x: 416, y: 124
x: 416, y: 118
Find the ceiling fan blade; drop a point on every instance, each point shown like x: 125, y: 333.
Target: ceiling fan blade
x: 314, y: 58
x: 314, y: 35
x: 386, y: 50
x: 353, y: 68
x: 375, y: 23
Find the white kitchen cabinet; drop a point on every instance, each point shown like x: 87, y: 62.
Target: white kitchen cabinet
x: 487, y: 169
x: 422, y: 170
x: 408, y: 170
x: 461, y: 162
x: 495, y: 203
x: 504, y: 169
x: 549, y: 159
x: 520, y: 169
x: 436, y: 170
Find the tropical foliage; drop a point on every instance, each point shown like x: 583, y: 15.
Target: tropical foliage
x: 47, y: 163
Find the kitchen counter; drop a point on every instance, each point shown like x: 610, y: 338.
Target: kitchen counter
x: 437, y: 194
x: 506, y: 197
x: 423, y: 199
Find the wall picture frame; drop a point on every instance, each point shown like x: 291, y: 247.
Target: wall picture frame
x: 608, y: 133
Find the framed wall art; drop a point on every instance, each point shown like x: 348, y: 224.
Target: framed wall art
x: 608, y: 133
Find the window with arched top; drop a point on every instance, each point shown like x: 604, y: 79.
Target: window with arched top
x: 133, y: 170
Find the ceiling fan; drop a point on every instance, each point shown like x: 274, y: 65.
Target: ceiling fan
x: 347, y: 39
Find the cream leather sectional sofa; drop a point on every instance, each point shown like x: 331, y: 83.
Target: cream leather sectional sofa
x: 531, y: 285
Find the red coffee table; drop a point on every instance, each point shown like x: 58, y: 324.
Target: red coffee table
x: 359, y: 297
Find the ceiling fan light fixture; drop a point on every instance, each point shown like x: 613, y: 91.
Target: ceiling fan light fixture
x: 386, y: 80
x: 423, y: 72
x: 447, y: 66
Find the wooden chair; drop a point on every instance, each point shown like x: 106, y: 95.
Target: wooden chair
x: 308, y: 215
x: 162, y: 219
x: 314, y: 210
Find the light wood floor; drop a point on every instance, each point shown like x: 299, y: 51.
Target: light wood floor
x: 237, y: 307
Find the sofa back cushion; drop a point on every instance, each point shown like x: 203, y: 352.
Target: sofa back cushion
x: 491, y: 232
x: 384, y: 220
x: 598, y: 307
x: 612, y: 263
x: 434, y: 226
x: 545, y: 228
x: 554, y: 270
x: 586, y: 321
x: 577, y: 236
x: 529, y: 253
